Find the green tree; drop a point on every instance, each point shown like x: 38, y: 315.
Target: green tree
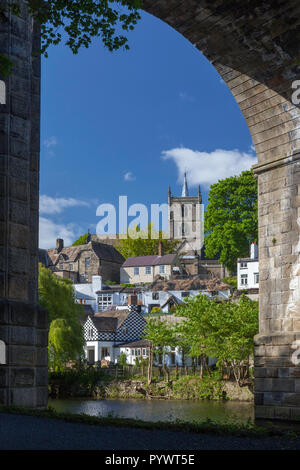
x: 220, y: 329
x: 66, y: 339
x: 146, y: 244
x: 230, y: 219
x: 78, y: 21
x: 81, y: 240
x: 160, y: 335
x: 122, y: 359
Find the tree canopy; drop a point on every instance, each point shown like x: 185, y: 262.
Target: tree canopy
x: 219, y: 329
x: 81, y: 240
x: 78, y: 22
x: 66, y: 339
x: 231, y: 218
x: 146, y: 244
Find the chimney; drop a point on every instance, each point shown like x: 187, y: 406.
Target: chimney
x: 254, y: 251
x: 59, y: 245
x: 160, y: 248
x: 96, y: 283
x: 132, y: 299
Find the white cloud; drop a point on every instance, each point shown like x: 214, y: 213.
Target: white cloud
x: 49, y: 231
x: 207, y: 168
x: 50, y: 142
x: 129, y: 176
x: 51, y: 205
x: 185, y: 97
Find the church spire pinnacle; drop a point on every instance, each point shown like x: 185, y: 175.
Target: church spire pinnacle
x: 185, y: 189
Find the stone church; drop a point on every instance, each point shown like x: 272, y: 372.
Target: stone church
x: 186, y: 223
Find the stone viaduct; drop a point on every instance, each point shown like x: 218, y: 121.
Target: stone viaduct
x: 255, y: 47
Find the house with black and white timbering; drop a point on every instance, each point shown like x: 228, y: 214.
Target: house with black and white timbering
x: 104, y: 332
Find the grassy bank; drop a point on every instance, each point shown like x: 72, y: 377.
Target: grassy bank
x: 97, y: 384
x: 231, y: 428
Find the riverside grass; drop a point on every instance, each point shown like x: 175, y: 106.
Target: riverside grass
x: 228, y: 427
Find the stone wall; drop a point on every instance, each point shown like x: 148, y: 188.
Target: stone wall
x: 23, y: 325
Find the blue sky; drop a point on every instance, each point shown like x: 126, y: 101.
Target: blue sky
x: 130, y: 123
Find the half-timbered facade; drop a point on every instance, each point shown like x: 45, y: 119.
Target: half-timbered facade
x: 105, y: 331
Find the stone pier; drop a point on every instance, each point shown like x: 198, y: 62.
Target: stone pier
x: 23, y: 324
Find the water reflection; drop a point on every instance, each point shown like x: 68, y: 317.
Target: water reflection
x: 159, y: 410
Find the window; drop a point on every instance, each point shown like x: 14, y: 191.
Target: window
x: 172, y: 357
x: 182, y: 229
x: 104, y: 301
x: 144, y: 352
x: 61, y: 266
x: 182, y: 210
x: 138, y: 352
x: 256, y: 278
x: 70, y: 267
x: 148, y: 270
x: 155, y: 295
x: 136, y: 271
x: 104, y: 353
x: 243, y: 265
x: 91, y: 333
x: 87, y: 262
x: 185, y: 294
x: 84, y: 277
x: 161, y: 269
x: 244, y: 279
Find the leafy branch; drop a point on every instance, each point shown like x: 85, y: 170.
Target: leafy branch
x: 81, y: 20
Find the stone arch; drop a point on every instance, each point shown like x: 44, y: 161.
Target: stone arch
x: 254, y: 46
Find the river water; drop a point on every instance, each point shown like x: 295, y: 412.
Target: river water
x: 159, y: 410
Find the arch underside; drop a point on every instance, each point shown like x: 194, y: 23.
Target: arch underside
x: 254, y: 46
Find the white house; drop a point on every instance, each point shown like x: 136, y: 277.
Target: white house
x: 248, y: 270
x: 102, y: 297
x: 104, y: 331
x: 166, y: 299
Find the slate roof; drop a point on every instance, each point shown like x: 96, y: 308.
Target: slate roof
x: 142, y: 343
x: 192, y: 283
x: 105, y: 324
x: 119, y: 315
x: 102, y: 250
x: 153, y: 260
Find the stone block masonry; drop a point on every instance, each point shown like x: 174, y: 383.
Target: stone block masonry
x: 24, y: 377
x: 255, y: 47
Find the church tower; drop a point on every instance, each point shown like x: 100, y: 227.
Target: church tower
x: 186, y: 219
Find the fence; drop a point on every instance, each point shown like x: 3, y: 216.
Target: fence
x: 129, y: 371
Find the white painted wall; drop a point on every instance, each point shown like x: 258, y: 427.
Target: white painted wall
x: 252, y: 268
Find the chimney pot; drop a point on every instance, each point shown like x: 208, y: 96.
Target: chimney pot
x: 59, y: 245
